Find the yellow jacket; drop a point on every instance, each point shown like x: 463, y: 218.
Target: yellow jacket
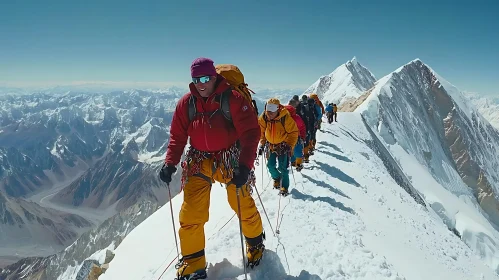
x: 275, y: 132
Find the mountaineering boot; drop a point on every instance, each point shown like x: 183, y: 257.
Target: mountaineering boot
x: 192, y: 268
x: 254, y: 253
x: 283, y: 192
x: 311, y: 147
x: 299, y: 167
x: 305, y: 159
x: 277, y: 183
x: 293, y: 163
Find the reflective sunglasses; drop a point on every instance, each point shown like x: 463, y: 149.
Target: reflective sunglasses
x: 203, y: 79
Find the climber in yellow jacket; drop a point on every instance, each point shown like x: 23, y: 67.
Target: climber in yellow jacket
x: 279, y: 135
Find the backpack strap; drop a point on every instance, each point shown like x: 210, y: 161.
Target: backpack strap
x: 225, y: 104
x: 254, y: 105
x: 283, y: 120
x: 192, y: 108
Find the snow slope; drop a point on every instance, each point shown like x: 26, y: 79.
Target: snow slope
x: 487, y: 106
x: 446, y: 148
x: 346, y: 83
x: 346, y: 218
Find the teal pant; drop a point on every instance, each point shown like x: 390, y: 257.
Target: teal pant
x: 278, y: 168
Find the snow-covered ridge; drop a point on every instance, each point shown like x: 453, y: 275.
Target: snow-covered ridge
x: 346, y: 218
x: 344, y: 84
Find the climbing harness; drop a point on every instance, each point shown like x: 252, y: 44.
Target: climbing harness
x: 227, y: 160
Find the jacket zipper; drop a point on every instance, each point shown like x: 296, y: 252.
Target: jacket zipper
x: 204, y: 125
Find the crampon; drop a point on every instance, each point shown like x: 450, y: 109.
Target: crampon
x: 201, y: 274
x: 253, y: 263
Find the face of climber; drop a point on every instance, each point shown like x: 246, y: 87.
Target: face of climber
x: 205, y: 85
x: 272, y: 110
x: 272, y: 115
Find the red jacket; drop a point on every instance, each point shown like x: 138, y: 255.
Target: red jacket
x: 212, y: 132
x: 299, y: 122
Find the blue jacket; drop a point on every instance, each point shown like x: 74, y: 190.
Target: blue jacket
x: 319, y: 112
x: 329, y: 108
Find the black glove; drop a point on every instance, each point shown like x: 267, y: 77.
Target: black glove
x: 260, y: 151
x: 166, y: 172
x: 240, y: 176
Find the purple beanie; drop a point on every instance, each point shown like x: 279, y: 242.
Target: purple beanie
x: 202, y: 67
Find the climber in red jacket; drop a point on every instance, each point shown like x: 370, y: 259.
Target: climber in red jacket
x: 219, y: 151
x: 297, y: 157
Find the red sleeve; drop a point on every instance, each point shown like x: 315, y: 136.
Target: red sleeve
x: 178, y: 132
x: 248, y: 130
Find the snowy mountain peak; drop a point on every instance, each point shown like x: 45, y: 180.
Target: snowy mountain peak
x: 416, y: 68
x: 353, y: 61
x: 346, y: 83
x: 417, y: 113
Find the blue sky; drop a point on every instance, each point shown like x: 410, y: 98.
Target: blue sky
x: 279, y: 44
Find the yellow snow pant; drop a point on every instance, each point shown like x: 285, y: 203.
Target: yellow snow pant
x: 195, y: 208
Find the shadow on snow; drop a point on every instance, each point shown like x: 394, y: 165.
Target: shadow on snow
x: 270, y: 268
x: 335, y: 172
x: 325, y: 185
x: 343, y: 158
x: 330, y: 145
x: 329, y: 200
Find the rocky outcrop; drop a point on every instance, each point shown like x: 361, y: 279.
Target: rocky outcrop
x: 92, y: 269
x: 350, y: 105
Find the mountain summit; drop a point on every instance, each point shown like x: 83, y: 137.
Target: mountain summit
x: 429, y: 125
x: 346, y: 83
